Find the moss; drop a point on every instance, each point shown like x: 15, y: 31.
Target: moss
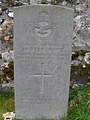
x: 1, y: 79
x: 86, y: 71
x: 71, y: 1
x: 82, y: 52
x: 9, y: 2
x: 7, y: 72
x: 78, y: 70
x: 44, y: 2
x: 79, y: 53
x: 54, y: 1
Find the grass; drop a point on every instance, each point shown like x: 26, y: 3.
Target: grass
x: 6, y: 103
x: 79, y: 104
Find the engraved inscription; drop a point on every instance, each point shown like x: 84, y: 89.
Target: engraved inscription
x: 43, y: 26
x: 44, y: 99
x: 42, y: 60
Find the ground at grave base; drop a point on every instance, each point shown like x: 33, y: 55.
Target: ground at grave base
x: 79, y: 104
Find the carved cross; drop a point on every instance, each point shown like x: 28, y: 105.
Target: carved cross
x: 42, y: 79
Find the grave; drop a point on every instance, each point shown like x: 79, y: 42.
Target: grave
x: 42, y: 48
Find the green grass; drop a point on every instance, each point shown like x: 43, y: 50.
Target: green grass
x: 6, y: 103
x: 79, y: 104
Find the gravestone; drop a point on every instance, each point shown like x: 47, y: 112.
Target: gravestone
x: 42, y: 46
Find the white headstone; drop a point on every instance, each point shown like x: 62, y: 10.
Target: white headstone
x: 42, y: 44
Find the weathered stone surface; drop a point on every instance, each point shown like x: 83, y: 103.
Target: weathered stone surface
x: 64, y: 3
x: 9, y: 56
x: 87, y: 58
x: 34, y: 1
x: 81, y: 39
x: 0, y: 10
x: 80, y: 7
x: 42, y: 45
